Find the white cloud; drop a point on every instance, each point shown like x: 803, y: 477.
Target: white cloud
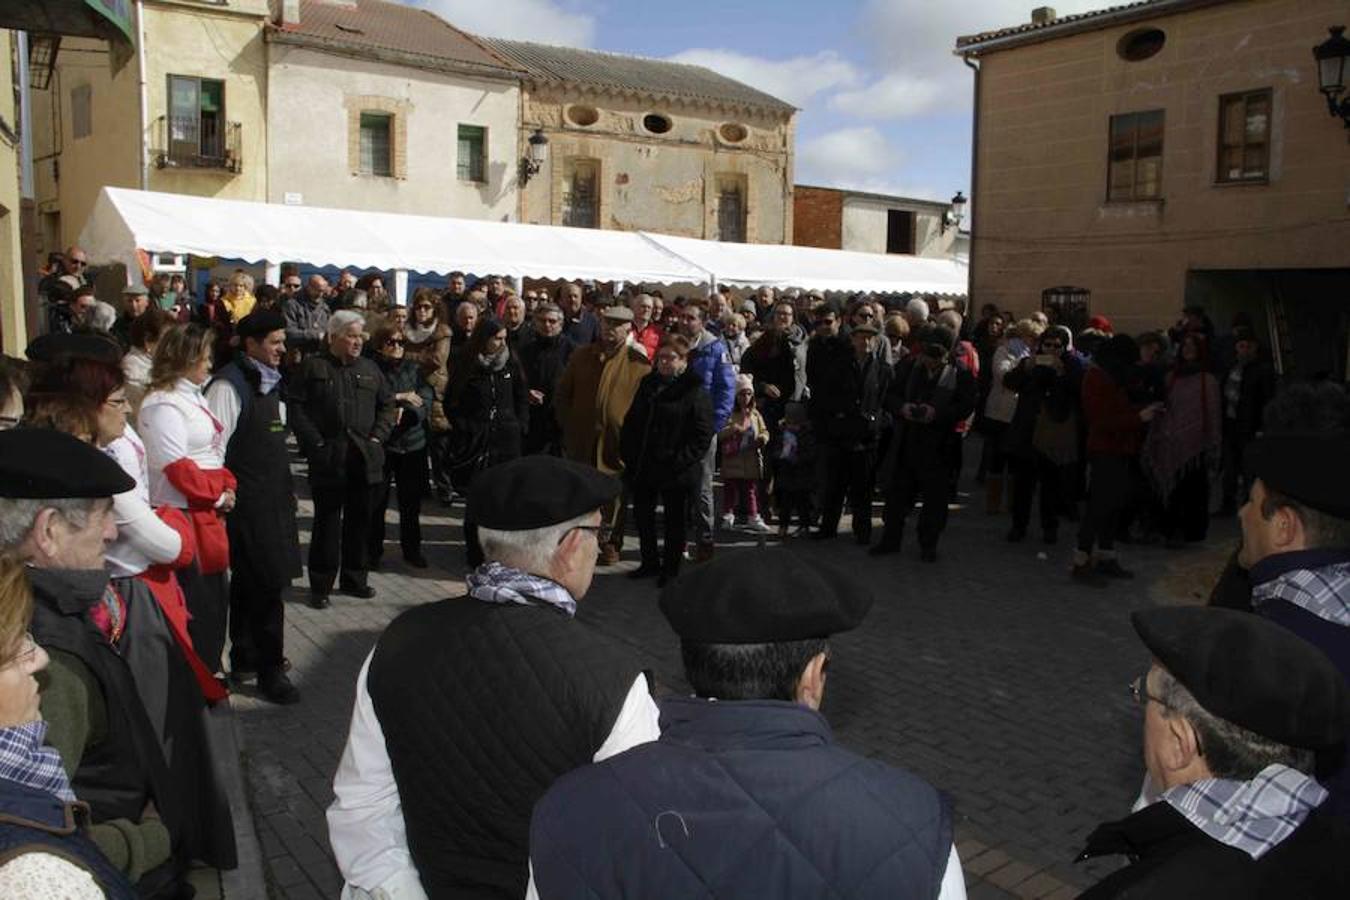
x: 894, y: 96
x: 846, y: 157
x: 796, y: 80
x: 544, y: 21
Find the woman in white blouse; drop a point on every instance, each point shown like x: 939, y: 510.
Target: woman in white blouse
x: 185, y: 458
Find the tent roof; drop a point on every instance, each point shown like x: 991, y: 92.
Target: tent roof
x: 126, y: 220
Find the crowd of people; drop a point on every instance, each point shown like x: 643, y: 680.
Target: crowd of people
x: 148, y: 519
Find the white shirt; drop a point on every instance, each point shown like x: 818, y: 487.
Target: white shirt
x: 223, y: 401
x: 143, y: 539
x: 365, y: 821
x: 177, y: 424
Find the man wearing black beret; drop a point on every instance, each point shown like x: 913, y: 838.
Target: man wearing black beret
x: 245, y: 397
x: 468, y: 709
x: 745, y: 794
x: 1234, y: 708
x: 1296, y: 548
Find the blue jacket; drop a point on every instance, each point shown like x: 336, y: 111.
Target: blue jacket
x: 740, y: 799
x: 711, y: 362
x: 33, y: 821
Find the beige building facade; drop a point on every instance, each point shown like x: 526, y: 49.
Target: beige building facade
x: 639, y: 144
x: 13, y: 328
x: 1131, y: 161
x: 837, y: 219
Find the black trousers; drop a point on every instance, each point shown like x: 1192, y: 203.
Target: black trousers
x: 1108, y: 492
x: 437, y: 444
x: 932, y: 484
x: 1027, y: 474
x: 257, y: 622
x: 208, y: 604
x: 409, y: 471
x: 340, y: 539
x: 846, y: 472
x: 1188, y: 507
x: 1235, y: 483
x: 676, y: 502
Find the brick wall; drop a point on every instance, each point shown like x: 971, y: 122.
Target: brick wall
x: 817, y: 218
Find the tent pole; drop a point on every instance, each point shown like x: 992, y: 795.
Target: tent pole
x: 272, y: 273
x: 401, y: 287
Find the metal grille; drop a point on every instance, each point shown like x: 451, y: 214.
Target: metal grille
x: 581, y: 200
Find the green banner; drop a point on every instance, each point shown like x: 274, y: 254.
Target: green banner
x: 118, y: 12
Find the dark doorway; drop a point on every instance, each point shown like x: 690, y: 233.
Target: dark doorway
x: 899, y: 231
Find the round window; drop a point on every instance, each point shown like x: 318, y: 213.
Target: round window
x: 656, y: 123
x: 733, y: 132
x: 1141, y: 44
x: 583, y: 115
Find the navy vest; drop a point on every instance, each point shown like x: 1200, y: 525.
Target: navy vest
x: 740, y: 799
x: 482, y: 706
x: 33, y: 821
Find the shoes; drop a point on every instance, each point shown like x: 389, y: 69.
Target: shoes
x: 1087, y: 574
x: 609, y: 555
x: 645, y: 571
x: 928, y: 554
x: 318, y: 599
x: 757, y: 525
x: 728, y: 521
x: 275, y: 687
x: 883, y: 548
x: 1016, y: 535
x: 416, y: 560
x: 1111, y: 568
x: 359, y: 591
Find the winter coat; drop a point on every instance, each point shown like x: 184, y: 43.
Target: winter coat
x: 488, y: 411
x: 1257, y: 387
x: 433, y: 356
x: 1040, y: 391
x: 543, y: 361
x: 743, y: 451
x: 332, y: 406
x: 847, y: 407
x: 592, y: 399
x: 402, y: 376
x: 779, y: 360
x: 666, y: 433
x: 711, y: 362
x: 924, y: 445
x: 1002, y: 400
x: 1113, y: 424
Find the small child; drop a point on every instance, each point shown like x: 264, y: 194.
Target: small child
x: 794, y: 470
x: 742, y: 442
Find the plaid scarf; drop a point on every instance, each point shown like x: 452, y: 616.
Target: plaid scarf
x: 493, y: 582
x: 1323, y: 591
x: 1251, y: 816
x: 24, y: 759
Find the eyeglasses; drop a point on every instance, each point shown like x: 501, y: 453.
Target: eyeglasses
x: 1139, y: 691
x: 593, y: 529
x: 27, y: 650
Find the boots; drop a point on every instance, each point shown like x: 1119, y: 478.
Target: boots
x: 993, y: 494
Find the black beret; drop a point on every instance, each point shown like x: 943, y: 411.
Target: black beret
x: 537, y: 491
x: 1304, y: 466
x: 764, y: 596
x: 260, y: 323
x: 81, y: 344
x: 937, y: 334
x: 41, y: 463
x: 1251, y: 672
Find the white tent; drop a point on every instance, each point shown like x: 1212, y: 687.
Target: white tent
x: 125, y: 220
x: 750, y: 265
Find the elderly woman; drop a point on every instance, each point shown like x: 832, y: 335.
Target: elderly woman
x: 341, y: 412
x: 427, y: 341
x: 1001, y: 403
x: 185, y: 458
x: 405, y: 453
x: 40, y: 818
x: 239, y: 300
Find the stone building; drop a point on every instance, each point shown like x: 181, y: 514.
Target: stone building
x: 1166, y: 152
x: 381, y: 106
x: 871, y: 223
x: 644, y: 144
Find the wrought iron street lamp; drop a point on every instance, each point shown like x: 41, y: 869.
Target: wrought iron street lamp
x: 955, y: 213
x: 1331, y: 56
x: 537, y: 155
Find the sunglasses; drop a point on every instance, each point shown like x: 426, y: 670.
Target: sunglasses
x: 394, y: 342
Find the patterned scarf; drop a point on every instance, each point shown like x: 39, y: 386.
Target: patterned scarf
x: 24, y: 759
x: 1251, y: 816
x: 493, y: 582
x: 1324, y: 591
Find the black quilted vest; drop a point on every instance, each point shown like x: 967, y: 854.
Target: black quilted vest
x: 482, y: 706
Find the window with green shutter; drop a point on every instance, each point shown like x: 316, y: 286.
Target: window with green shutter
x: 472, y: 164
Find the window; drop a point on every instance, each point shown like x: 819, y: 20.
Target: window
x: 733, y: 132
x: 1140, y: 45
x: 899, y: 231
x: 472, y: 165
x: 1244, y: 137
x: 196, y: 119
x: 656, y: 123
x: 581, y: 194
x: 1067, y: 306
x: 377, y: 157
x: 82, y: 111
x: 731, y: 212
x: 1135, y: 164
x: 583, y: 116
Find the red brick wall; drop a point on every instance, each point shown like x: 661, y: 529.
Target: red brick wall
x: 818, y: 218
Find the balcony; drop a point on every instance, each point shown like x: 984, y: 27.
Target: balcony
x: 199, y: 143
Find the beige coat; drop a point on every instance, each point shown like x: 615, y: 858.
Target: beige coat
x: 593, y: 397
x: 433, y: 356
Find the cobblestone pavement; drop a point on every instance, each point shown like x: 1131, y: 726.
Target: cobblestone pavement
x: 988, y: 673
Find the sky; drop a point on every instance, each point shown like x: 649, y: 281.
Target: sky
x: 885, y: 106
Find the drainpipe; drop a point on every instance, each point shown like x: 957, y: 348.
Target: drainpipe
x: 143, y: 96
x: 974, y: 177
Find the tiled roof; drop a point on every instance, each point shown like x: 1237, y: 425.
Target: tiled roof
x: 633, y: 74
x: 378, y: 25
x: 1032, y: 32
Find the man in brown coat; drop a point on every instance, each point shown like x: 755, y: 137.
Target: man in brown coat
x: 591, y: 401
